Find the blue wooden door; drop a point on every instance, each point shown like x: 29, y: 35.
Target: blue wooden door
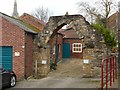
x: 6, y: 57
x: 56, y: 53
x: 66, y: 50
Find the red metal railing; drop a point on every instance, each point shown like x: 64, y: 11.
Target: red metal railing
x: 108, y: 71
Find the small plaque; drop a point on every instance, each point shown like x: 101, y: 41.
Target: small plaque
x: 86, y: 61
x: 17, y: 54
x: 44, y: 62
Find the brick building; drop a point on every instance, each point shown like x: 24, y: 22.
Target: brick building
x: 113, y: 23
x: 69, y: 45
x: 74, y: 44
x: 39, y: 24
x: 19, y: 45
x: 16, y: 46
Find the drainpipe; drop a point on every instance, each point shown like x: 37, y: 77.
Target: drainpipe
x: 25, y: 61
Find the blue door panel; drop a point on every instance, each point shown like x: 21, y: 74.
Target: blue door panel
x: 66, y: 50
x: 56, y: 53
x: 6, y: 57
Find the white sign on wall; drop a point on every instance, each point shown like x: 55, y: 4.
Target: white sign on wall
x: 44, y: 62
x: 17, y: 54
x: 86, y: 61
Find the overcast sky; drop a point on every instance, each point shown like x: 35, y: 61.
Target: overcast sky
x: 57, y: 7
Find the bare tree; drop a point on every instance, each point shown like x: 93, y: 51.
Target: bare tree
x: 41, y: 13
x: 100, y: 10
x: 89, y: 11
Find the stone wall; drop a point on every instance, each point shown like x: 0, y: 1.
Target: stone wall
x: 42, y: 63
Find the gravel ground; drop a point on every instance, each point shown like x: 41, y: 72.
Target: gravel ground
x: 68, y: 68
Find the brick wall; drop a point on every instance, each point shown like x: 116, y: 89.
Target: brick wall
x: 29, y: 54
x: 113, y: 24
x: 60, y: 42
x: 14, y: 36
x: 71, y: 41
x: 112, y: 21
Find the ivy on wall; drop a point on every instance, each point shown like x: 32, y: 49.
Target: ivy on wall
x: 109, y: 37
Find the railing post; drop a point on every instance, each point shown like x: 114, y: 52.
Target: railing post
x: 102, y: 78
x: 110, y: 71
x: 113, y: 70
x: 106, y: 74
x: 115, y: 67
x: 109, y: 67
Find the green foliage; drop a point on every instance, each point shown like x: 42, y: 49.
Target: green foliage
x: 109, y: 37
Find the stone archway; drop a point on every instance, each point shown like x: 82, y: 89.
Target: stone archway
x: 55, y: 23
x: 77, y: 22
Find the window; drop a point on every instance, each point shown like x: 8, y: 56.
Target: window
x: 77, y: 47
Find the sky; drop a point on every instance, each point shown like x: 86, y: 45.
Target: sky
x: 56, y: 7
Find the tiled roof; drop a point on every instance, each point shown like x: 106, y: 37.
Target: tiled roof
x: 29, y: 26
x: 69, y: 33
x: 39, y: 21
x: 19, y: 23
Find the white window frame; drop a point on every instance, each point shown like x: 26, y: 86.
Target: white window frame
x: 77, y: 47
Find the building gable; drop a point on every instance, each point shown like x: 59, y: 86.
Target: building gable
x: 17, y: 22
x: 33, y: 21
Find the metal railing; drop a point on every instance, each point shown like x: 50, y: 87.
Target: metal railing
x: 108, y: 71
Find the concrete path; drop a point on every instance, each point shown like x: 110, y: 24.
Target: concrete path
x: 65, y: 82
